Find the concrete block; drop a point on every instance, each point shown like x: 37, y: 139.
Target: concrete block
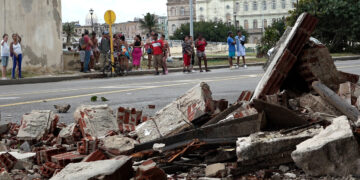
x: 37, y: 124
x: 67, y: 134
x: 334, y: 151
x: 345, y: 92
x: 95, y: 121
x: 119, y: 168
x: 215, y: 170
x: 261, y: 147
x: 317, y: 104
x: 178, y: 115
x: 119, y: 143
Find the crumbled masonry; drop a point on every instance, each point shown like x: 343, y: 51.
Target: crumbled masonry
x: 301, y: 122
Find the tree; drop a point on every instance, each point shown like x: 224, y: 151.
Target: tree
x: 69, y: 30
x: 149, y: 23
x: 211, y: 31
x: 271, y: 36
x: 339, y: 23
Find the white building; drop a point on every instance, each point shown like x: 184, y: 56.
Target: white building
x: 178, y: 12
x: 252, y: 15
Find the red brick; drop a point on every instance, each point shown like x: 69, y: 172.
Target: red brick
x: 128, y: 119
x: 7, y: 161
x: 48, y: 169
x: 245, y: 96
x: 95, y: 156
x: 148, y: 171
x: 87, y: 146
x: 66, y: 158
x: 43, y: 156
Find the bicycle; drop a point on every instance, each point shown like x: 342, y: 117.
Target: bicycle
x: 109, y: 65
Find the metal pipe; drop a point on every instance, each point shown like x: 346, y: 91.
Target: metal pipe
x: 191, y: 18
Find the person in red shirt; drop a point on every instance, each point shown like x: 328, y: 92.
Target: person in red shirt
x: 200, y: 45
x: 157, y: 47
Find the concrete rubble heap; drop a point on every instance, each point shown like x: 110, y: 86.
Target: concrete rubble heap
x: 301, y: 122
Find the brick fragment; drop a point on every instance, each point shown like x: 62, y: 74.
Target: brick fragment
x: 43, y: 156
x: 148, y: 170
x: 87, y: 146
x: 95, y: 156
x: 49, y: 168
x: 66, y: 158
x: 7, y: 161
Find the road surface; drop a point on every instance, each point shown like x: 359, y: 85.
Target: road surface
x: 136, y: 91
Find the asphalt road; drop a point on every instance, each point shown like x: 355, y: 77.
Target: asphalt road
x: 136, y: 91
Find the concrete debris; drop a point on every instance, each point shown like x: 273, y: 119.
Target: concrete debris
x: 119, y: 143
x: 178, y: 115
x: 158, y: 147
x: 215, y: 170
x: 4, y: 175
x: 128, y: 119
x: 245, y: 110
x: 37, y: 125
x: 290, y: 175
x: 95, y: 121
x: 148, y: 170
x: 315, y: 104
x: 67, y: 134
x: 284, y: 168
x: 334, y: 151
x: 118, y: 168
x: 62, y: 108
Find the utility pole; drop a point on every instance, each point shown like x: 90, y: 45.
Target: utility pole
x: 191, y: 18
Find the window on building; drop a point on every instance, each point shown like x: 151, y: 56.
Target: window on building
x: 273, y: 4
x: 173, y: 27
x: 173, y: 11
x: 264, y: 5
x: 227, y: 6
x: 246, y: 24
x: 293, y: 3
x: 255, y: 24
x: 182, y: 11
x: 246, y: 6
x: 201, y: 9
x: 237, y: 6
x: 255, y: 8
x: 283, y: 4
x: 265, y: 23
x: 202, y: 18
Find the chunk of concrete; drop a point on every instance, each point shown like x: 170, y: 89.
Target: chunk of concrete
x: 215, y: 170
x: 334, y: 151
x: 37, y: 124
x: 345, y: 92
x: 67, y: 133
x: 178, y: 115
x: 317, y: 104
x: 118, y: 168
x: 119, y: 143
x: 95, y: 121
x: 243, y: 111
x: 270, y: 147
x: 5, y: 176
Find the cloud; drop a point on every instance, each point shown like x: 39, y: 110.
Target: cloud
x: 126, y: 10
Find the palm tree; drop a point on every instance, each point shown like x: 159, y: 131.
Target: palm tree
x: 69, y: 30
x: 149, y: 23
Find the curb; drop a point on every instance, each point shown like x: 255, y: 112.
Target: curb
x: 346, y: 58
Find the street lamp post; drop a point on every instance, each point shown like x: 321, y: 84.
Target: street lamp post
x: 92, y: 22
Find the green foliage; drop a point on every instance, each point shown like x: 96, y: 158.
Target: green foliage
x: 104, y: 99
x: 149, y: 23
x: 271, y: 36
x: 211, y: 31
x: 69, y: 29
x: 339, y: 23
x: 93, y: 98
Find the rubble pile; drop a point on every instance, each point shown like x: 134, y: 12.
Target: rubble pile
x: 302, y: 121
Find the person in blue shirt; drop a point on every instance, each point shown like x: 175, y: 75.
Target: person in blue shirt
x: 240, y: 48
x: 231, y: 42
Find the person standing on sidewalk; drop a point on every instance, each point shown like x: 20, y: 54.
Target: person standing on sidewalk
x: 5, y: 54
x: 16, y: 53
x: 148, y: 49
x: 200, y: 45
x: 158, y: 53
x: 95, y: 51
x: 240, y: 48
x: 104, y: 48
x: 87, y: 44
x: 191, y: 41
x: 166, y: 53
x: 137, y: 51
x: 82, y: 52
x: 187, y: 52
x: 124, y: 55
x: 231, y: 42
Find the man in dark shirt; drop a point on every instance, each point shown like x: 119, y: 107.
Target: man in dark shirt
x: 104, y: 48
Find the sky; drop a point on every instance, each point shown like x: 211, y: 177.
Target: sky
x: 125, y: 10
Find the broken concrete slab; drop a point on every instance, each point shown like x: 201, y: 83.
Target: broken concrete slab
x: 119, y: 143
x: 95, y: 121
x: 270, y: 148
x: 243, y: 111
x: 215, y: 170
x: 67, y: 134
x: 62, y: 108
x: 178, y: 115
x: 119, y: 168
x: 334, y: 151
x: 345, y: 92
x: 37, y: 124
x: 330, y: 96
x: 286, y: 56
x: 315, y: 104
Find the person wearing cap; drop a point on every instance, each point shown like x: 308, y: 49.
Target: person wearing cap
x: 231, y: 42
x: 104, y: 48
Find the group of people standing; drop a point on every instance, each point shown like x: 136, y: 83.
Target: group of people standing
x: 13, y: 50
x: 189, y: 53
x: 158, y: 51
x: 237, y: 45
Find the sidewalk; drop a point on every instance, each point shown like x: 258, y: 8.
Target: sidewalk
x: 46, y: 79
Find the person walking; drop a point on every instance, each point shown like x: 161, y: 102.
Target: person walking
x: 231, y: 42
x: 81, y: 49
x: 5, y: 54
x: 240, y: 48
x: 166, y: 53
x: 137, y: 51
x: 124, y: 55
x: 187, y: 52
x: 16, y: 53
x: 87, y: 46
x: 104, y: 49
x: 148, y: 49
x: 200, y: 45
x: 158, y: 53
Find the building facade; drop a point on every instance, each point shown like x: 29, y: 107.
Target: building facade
x: 252, y: 15
x: 178, y: 13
